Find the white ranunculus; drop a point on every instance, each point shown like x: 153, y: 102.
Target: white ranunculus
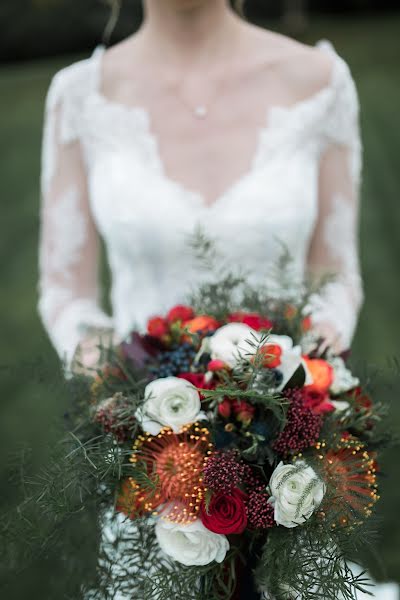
x: 291, y: 358
x: 296, y: 491
x: 232, y: 340
x: 343, y: 380
x: 169, y: 402
x: 192, y: 544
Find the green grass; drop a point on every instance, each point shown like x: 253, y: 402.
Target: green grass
x: 30, y: 408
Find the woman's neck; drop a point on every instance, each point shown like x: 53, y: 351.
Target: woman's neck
x: 184, y: 32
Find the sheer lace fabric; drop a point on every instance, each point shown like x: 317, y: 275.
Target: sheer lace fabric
x: 102, y: 175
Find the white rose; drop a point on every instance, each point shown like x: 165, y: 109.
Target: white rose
x: 343, y: 380
x: 291, y: 359
x: 232, y: 340
x: 192, y: 544
x: 171, y: 402
x: 296, y: 491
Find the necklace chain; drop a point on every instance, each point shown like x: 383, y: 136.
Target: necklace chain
x: 201, y: 110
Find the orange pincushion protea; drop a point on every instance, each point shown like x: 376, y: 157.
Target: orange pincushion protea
x: 173, y: 465
x: 350, y: 473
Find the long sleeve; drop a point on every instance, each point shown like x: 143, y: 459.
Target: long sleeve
x: 68, y: 290
x: 334, y: 247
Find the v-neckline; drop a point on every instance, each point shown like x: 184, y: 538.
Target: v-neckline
x: 139, y: 111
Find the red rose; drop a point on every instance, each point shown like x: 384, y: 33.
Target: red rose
x: 226, y: 513
x: 317, y: 401
x: 253, y: 320
x: 180, y: 313
x: 157, y: 327
x: 225, y: 408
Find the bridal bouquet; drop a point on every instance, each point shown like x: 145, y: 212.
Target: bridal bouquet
x: 240, y: 443
x: 227, y: 444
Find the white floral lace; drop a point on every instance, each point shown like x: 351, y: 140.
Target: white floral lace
x: 102, y: 174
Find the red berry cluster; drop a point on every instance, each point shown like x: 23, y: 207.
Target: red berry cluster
x: 260, y: 514
x: 302, y: 428
x: 224, y: 471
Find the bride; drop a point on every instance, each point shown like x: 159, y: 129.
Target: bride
x: 199, y: 118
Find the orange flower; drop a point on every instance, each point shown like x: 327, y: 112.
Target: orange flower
x: 351, y: 474
x: 134, y: 504
x: 321, y: 373
x: 172, y: 472
x: 306, y: 323
x: 201, y: 323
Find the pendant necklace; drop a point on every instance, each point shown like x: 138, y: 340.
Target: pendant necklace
x: 200, y: 111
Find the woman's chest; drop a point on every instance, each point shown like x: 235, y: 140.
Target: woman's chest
x: 262, y: 186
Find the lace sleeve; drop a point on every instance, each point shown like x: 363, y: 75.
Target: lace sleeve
x: 68, y: 289
x: 334, y: 247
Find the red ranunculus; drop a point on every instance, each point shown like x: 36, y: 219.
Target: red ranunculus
x: 244, y: 411
x: 226, y: 513
x: 253, y: 320
x: 198, y: 380
x: 318, y: 402
x: 157, y: 327
x: 306, y: 323
x: 217, y: 365
x: 271, y: 355
x: 225, y: 408
x: 180, y: 312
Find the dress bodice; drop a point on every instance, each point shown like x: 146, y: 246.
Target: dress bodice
x: 102, y: 174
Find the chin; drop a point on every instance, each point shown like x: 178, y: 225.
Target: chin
x: 186, y: 4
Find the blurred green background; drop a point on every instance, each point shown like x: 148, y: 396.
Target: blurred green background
x: 37, y: 37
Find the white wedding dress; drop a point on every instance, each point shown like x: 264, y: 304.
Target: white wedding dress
x: 102, y: 174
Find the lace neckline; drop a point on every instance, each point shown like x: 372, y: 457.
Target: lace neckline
x: 276, y: 114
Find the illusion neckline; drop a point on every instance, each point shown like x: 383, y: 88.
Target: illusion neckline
x: 138, y: 111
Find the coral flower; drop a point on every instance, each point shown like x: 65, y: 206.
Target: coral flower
x: 202, y: 323
x: 321, y: 373
x: 170, y: 472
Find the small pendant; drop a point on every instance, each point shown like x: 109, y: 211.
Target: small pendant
x: 200, y: 111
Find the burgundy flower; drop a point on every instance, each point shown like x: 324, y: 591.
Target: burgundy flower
x: 302, y: 427
x: 318, y: 402
x: 226, y: 513
x: 224, y: 471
